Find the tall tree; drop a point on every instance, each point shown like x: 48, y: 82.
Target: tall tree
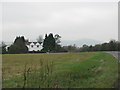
x: 49, y: 43
x: 40, y: 39
x: 18, y: 46
x: 45, y: 49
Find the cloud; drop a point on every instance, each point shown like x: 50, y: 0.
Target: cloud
x: 72, y: 21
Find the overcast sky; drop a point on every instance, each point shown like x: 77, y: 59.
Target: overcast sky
x: 73, y: 21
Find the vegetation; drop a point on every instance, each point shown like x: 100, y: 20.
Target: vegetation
x: 49, y: 43
x: 3, y: 48
x: 18, y: 46
x: 111, y: 46
x: 60, y: 70
x: 40, y: 39
x: 52, y: 44
x: 71, y: 48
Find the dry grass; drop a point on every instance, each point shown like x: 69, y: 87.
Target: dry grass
x: 55, y: 70
x: 13, y: 65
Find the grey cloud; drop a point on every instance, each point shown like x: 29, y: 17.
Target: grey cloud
x: 72, y: 21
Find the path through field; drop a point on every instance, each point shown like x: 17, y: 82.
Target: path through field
x: 115, y: 54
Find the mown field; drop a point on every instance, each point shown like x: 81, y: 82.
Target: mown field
x: 59, y: 70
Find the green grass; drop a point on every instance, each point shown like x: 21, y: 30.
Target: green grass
x: 63, y: 70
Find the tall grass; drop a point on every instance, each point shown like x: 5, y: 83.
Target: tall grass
x: 39, y: 77
x: 76, y: 70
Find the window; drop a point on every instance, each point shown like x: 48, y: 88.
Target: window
x: 37, y: 45
x: 31, y: 45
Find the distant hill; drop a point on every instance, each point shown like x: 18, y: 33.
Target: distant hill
x: 81, y: 42
x: 8, y: 43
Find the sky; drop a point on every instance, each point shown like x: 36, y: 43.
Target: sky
x: 71, y: 20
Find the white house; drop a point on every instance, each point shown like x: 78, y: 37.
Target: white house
x: 34, y: 46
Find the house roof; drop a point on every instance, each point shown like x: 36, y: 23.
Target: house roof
x: 28, y: 43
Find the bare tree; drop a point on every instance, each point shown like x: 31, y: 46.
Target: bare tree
x: 57, y: 38
x: 3, y: 48
x: 40, y: 38
x: 3, y: 44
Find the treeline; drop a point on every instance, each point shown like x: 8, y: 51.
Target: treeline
x: 50, y: 44
x: 112, y: 45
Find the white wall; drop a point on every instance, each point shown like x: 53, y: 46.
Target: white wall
x: 34, y: 48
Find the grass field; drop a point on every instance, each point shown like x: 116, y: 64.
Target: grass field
x: 59, y: 70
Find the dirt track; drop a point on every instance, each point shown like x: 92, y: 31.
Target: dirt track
x: 115, y: 54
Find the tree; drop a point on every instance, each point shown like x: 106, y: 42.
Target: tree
x: 18, y: 46
x: 105, y: 47
x: 112, y: 45
x: 57, y: 42
x: 90, y: 48
x: 61, y: 49
x: 85, y: 48
x: 3, y: 44
x: 3, y: 48
x: 118, y: 46
x: 57, y: 38
x: 97, y: 47
x: 49, y: 43
x: 40, y: 39
x: 71, y: 48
